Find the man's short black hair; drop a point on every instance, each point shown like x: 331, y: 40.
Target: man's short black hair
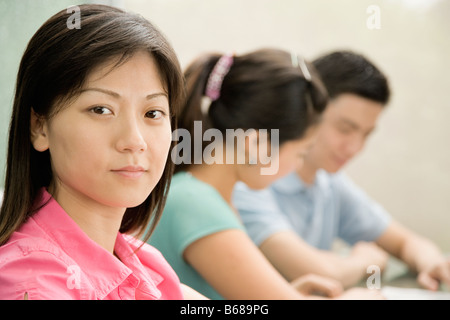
x: 349, y: 72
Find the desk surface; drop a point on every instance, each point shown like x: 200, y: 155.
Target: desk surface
x: 397, y: 274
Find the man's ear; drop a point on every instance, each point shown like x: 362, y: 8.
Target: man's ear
x: 38, y: 132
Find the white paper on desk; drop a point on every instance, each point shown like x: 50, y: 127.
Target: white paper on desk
x: 395, y: 293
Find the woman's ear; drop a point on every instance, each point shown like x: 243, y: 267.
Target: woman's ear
x: 38, y: 132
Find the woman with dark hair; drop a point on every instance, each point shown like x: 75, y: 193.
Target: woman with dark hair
x: 87, y: 163
x: 277, y: 98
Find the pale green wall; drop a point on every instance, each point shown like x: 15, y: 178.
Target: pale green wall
x: 19, y: 20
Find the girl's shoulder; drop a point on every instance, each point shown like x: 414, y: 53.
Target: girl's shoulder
x: 31, y: 240
x: 185, y: 185
x: 34, y: 268
x: 194, y: 208
x: 185, y: 180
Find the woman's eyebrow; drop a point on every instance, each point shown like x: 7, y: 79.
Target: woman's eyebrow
x: 156, y: 95
x: 117, y: 95
x: 105, y: 91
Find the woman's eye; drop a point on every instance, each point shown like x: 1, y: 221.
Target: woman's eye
x: 154, y: 114
x: 100, y: 110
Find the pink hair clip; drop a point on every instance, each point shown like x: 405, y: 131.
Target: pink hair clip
x: 215, y: 79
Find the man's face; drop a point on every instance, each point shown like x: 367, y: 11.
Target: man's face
x: 347, y: 122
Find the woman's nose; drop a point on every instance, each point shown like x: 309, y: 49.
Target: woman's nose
x: 131, y: 137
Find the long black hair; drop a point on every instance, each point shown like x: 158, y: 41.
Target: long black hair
x: 53, y: 68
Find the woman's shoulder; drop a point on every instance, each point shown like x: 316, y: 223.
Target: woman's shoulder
x: 185, y: 182
x: 29, y: 241
x: 188, y: 192
x: 193, y: 209
x: 33, y: 267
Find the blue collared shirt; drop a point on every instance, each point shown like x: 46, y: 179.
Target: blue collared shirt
x: 332, y: 207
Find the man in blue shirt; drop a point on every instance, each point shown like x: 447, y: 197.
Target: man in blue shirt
x: 297, y: 219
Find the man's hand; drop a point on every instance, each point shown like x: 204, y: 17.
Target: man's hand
x: 432, y: 277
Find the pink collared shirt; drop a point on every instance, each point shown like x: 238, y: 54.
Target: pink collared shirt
x: 50, y: 257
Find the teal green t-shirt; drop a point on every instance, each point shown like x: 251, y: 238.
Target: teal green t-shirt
x: 193, y: 210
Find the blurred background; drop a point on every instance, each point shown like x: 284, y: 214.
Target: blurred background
x: 406, y: 162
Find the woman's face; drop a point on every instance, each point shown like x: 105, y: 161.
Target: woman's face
x: 109, y: 145
x: 289, y: 157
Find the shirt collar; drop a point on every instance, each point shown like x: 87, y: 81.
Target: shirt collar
x: 290, y: 184
x: 104, y: 271
x: 293, y: 184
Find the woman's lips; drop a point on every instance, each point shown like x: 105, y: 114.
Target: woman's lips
x: 130, y: 171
